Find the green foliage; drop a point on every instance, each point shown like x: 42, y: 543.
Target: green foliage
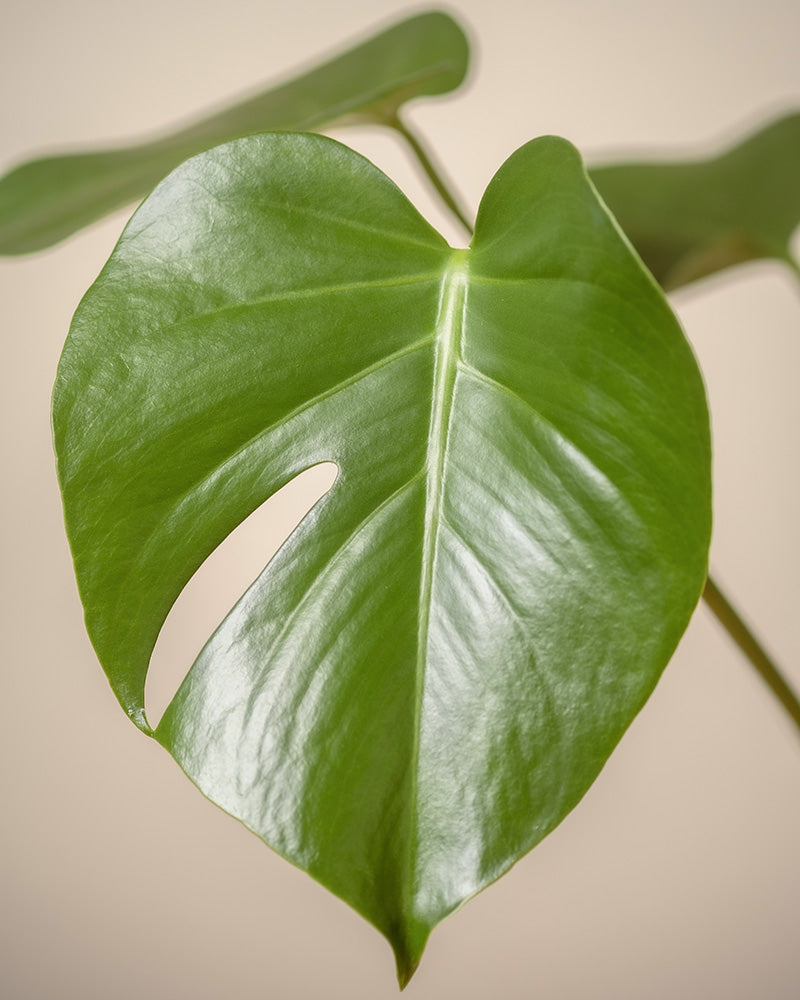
x: 435, y: 666
x: 690, y: 219
x: 46, y: 200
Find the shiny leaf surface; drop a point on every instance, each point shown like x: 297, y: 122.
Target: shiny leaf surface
x: 434, y: 667
x: 46, y: 200
x: 693, y: 218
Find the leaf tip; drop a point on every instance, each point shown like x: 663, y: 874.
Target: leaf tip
x: 408, y: 947
x: 407, y: 965
x: 139, y: 719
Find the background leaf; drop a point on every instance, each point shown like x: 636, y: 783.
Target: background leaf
x: 437, y: 663
x: 690, y: 219
x: 44, y: 201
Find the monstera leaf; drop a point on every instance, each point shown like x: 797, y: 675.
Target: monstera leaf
x: 691, y: 218
x: 434, y: 667
x: 44, y: 201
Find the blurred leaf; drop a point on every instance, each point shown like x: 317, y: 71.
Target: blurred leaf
x: 690, y: 219
x: 435, y: 666
x: 44, y: 201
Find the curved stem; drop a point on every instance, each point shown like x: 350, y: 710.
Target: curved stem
x: 749, y: 645
x: 433, y: 172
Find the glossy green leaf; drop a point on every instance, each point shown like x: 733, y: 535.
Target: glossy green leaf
x: 434, y: 667
x: 44, y: 201
x: 690, y: 219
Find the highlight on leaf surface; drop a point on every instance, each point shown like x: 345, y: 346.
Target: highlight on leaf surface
x: 435, y: 666
x: 46, y: 200
x: 691, y: 218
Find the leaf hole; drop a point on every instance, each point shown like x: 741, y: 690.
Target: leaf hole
x: 222, y: 579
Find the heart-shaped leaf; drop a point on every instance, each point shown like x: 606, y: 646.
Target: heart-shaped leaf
x: 691, y: 218
x: 434, y: 667
x: 44, y: 201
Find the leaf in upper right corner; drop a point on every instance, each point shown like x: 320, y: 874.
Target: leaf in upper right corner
x: 46, y: 200
x: 691, y: 218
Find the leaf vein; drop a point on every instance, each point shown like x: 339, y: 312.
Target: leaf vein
x: 295, y: 294
x: 321, y: 575
x: 334, y: 219
x: 516, y: 614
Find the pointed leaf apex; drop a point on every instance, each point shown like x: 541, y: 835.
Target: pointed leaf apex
x: 407, y: 964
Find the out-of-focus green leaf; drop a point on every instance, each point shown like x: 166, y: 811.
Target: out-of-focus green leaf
x: 435, y: 666
x: 690, y: 219
x: 44, y: 201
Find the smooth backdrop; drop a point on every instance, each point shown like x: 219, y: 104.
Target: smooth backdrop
x: 679, y: 874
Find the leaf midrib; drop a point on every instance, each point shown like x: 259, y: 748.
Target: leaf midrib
x: 447, y: 340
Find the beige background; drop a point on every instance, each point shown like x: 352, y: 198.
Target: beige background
x: 679, y: 874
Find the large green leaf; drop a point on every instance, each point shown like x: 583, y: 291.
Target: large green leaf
x: 434, y: 667
x: 43, y: 201
x: 690, y: 219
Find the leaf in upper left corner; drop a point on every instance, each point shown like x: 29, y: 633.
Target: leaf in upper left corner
x: 46, y: 200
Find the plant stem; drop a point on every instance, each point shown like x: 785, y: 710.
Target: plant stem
x: 434, y: 173
x: 749, y: 645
